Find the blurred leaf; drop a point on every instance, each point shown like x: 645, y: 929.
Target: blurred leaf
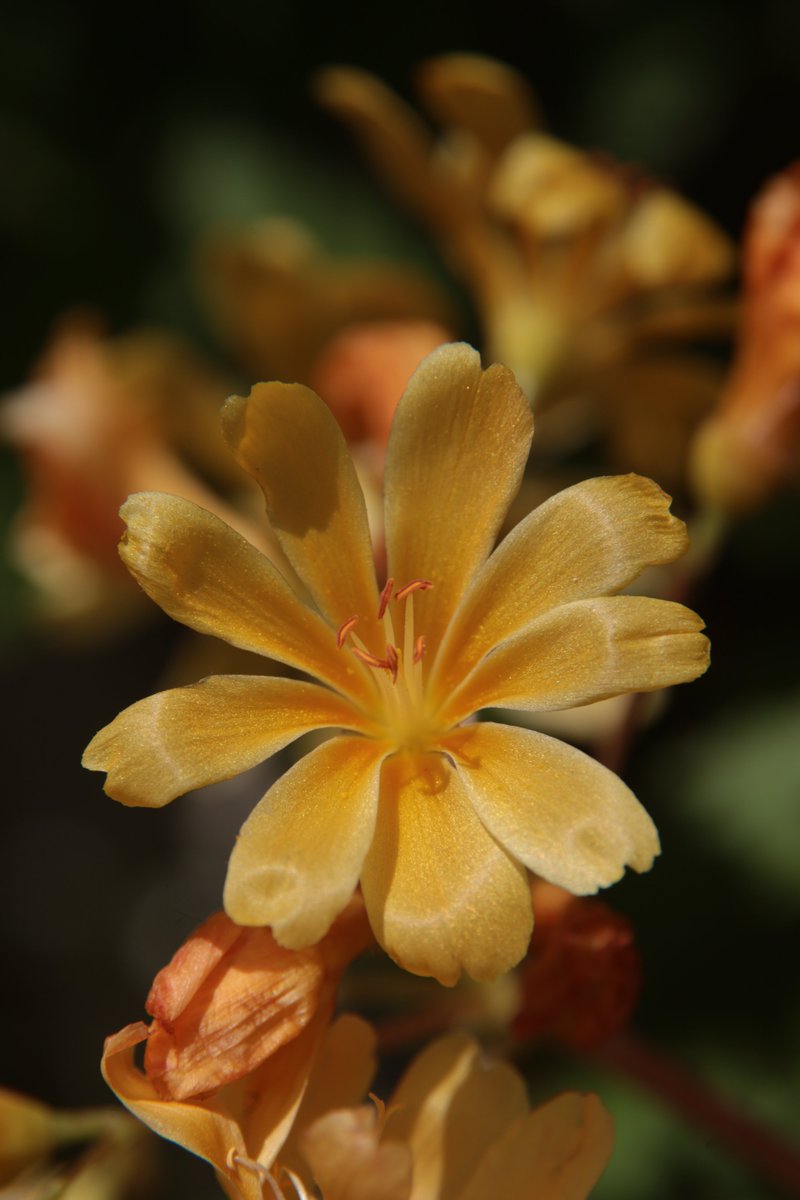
x: 737, y: 780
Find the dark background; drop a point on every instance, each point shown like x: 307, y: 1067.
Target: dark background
x: 124, y: 133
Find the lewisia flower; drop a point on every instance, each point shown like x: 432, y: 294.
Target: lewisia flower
x: 589, y: 280
x: 439, y: 818
x: 457, y: 1127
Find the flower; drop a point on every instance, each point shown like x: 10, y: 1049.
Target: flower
x: 456, y: 1126
x: 439, y: 818
x: 104, y: 417
x: 749, y: 446
x: 590, y: 281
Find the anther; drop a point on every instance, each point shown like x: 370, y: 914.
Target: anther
x: 386, y: 596
x: 371, y: 659
x: 344, y: 629
x: 391, y: 661
x: 419, y: 648
x: 416, y: 585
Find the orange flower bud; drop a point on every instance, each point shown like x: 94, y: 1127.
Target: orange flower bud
x: 582, y: 976
x: 750, y: 445
x: 232, y: 996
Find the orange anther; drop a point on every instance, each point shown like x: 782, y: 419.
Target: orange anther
x: 419, y: 648
x: 416, y: 585
x: 386, y: 596
x: 344, y: 629
x: 391, y: 661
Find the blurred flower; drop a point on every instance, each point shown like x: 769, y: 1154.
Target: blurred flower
x: 104, y: 417
x: 84, y: 1154
x: 582, y: 977
x: 751, y: 443
x: 457, y: 1126
x: 277, y: 299
x: 579, y: 268
x: 437, y: 816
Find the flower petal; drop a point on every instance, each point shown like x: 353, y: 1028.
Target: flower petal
x: 188, y: 737
x: 208, y: 1133
x: 557, y: 1152
x: 456, y: 455
x: 488, y: 100
x: 586, y: 651
x: 450, y: 1106
x: 588, y: 540
x: 442, y: 896
x: 297, y: 859
x: 288, y: 440
x: 204, y: 574
x: 561, y: 813
x: 350, y: 1162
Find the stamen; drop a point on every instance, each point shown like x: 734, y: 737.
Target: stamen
x: 386, y: 596
x: 419, y: 648
x: 297, y: 1184
x: 416, y: 585
x: 344, y: 629
x: 391, y: 659
x: 266, y: 1177
x: 371, y: 659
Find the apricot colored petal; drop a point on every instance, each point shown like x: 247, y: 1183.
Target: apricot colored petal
x: 175, y: 741
x: 208, y: 1132
x: 557, y: 1152
x: 450, y: 1106
x: 586, y: 651
x: 204, y: 574
x: 442, y: 896
x: 349, y: 1162
x: 288, y: 440
x: 561, y: 813
x: 455, y: 459
x: 487, y: 98
x: 588, y: 540
x: 343, y: 1071
x: 298, y: 857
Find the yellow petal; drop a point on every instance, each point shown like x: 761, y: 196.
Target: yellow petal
x: 586, y: 651
x: 588, y: 540
x: 204, y: 574
x: 557, y: 810
x: 208, y: 1133
x: 298, y: 857
x: 442, y: 896
x: 349, y: 1162
x: 449, y: 1106
x: 480, y: 95
x: 188, y: 737
x: 456, y: 455
x: 669, y: 241
x: 288, y: 440
x: 557, y: 1152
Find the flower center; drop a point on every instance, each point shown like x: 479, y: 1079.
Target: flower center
x: 398, y: 674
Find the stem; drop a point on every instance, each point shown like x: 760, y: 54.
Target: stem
x: 767, y: 1152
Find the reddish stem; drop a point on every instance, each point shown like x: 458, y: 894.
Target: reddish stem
x: 767, y: 1152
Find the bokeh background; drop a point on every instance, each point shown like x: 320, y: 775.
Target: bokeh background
x: 124, y: 133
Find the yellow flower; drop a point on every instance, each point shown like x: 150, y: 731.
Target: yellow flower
x: 457, y: 1126
x: 440, y: 819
